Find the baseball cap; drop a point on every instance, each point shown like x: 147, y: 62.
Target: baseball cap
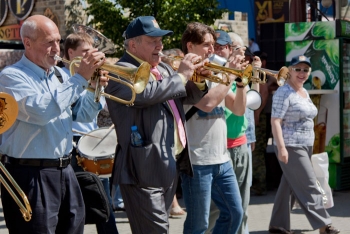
x: 223, y: 38
x: 145, y: 25
x: 300, y: 59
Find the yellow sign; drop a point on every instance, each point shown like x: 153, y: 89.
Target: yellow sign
x: 269, y: 11
x: 10, y: 33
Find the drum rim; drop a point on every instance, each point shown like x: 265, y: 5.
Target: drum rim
x: 92, y: 158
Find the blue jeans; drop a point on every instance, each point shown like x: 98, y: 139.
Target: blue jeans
x: 110, y: 226
x: 212, y: 182
x: 117, y: 198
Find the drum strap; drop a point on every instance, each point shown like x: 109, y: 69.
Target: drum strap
x: 58, y: 75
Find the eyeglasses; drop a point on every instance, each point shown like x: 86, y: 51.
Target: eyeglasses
x: 306, y: 70
x: 220, y: 47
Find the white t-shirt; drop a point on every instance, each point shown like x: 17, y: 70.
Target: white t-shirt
x: 207, y: 135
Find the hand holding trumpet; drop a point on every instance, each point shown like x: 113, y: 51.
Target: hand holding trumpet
x: 189, y: 64
x: 89, y: 68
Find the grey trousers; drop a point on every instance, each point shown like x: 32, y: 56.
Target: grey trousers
x: 299, y: 179
x: 240, y: 160
x: 148, y: 208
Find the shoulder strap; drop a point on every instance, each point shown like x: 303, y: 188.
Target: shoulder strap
x: 58, y: 74
x: 191, y: 112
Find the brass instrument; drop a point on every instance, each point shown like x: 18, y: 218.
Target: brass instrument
x: 243, y: 75
x: 137, y: 77
x: 101, y: 42
x: 8, y: 114
x: 281, y: 76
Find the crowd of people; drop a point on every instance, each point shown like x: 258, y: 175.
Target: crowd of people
x: 196, y: 133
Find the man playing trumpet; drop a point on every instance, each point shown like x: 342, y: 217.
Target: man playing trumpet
x: 214, y: 178
x: 147, y: 174
x: 36, y: 148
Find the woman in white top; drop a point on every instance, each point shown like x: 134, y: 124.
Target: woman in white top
x: 293, y: 131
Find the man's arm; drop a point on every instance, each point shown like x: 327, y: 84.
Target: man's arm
x: 236, y: 103
x: 213, y: 98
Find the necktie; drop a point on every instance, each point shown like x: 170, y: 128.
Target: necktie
x: 180, y: 126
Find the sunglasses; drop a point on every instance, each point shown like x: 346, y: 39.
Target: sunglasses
x: 306, y: 70
x: 220, y: 47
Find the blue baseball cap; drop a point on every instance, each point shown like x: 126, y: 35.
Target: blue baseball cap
x: 223, y: 38
x: 145, y: 25
x: 300, y: 59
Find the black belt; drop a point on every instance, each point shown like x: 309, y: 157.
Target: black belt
x: 60, y: 162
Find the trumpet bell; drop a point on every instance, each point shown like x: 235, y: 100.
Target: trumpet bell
x: 137, y: 76
x: 253, y: 99
x: 101, y: 42
x: 281, y: 76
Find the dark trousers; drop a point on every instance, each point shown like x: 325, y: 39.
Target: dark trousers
x: 55, y: 198
x: 148, y: 208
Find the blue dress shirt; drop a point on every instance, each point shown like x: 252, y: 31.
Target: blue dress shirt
x: 84, y: 127
x: 43, y: 128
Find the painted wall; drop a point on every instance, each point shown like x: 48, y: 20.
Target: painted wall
x: 246, y: 6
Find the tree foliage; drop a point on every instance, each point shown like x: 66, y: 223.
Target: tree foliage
x: 111, y: 20
x: 73, y: 12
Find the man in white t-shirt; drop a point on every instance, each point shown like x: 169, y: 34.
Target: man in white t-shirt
x: 214, y: 178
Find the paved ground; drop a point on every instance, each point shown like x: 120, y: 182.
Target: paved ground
x: 259, y: 215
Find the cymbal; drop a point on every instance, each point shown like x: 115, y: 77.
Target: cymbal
x: 8, y: 111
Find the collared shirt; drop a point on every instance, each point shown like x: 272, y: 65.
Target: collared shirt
x: 43, y: 128
x: 80, y: 126
x: 177, y: 142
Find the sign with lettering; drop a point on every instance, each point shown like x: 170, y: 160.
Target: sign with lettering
x: 3, y: 11
x: 21, y: 8
x: 10, y: 33
x: 271, y: 11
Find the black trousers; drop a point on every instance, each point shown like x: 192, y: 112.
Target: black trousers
x: 55, y: 198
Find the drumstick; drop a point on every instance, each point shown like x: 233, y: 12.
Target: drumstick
x: 86, y: 134
x: 104, y: 137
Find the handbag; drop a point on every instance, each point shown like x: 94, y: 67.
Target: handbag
x: 324, y: 195
x: 95, y: 198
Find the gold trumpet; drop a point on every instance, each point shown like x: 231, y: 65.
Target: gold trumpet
x: 137, y: 78
x: 281, y: 76
x: 243, y: 75
x: 8, y: 114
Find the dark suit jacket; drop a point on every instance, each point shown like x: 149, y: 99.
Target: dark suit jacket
x: 154, y: 164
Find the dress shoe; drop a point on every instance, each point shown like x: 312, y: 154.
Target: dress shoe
x: 273, y: 229
x: 330, y: 230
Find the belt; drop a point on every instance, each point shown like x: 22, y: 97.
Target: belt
x: 60, y: 162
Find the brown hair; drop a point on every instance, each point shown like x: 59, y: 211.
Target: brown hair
x: 74, y: 40
x: 195, y: 33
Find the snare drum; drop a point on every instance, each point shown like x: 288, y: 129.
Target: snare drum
x: 96, y: 150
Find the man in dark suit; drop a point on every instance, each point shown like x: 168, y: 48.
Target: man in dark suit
x: 147, y: 175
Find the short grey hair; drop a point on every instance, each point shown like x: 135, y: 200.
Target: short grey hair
x: 236, y: 39
x: 138, y: 39
x: 29, y: 29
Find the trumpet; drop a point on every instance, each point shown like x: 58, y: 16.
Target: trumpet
x: 281, y: 76
x: 137, y: 78
x: 8, y: 114
x: 212, y: 65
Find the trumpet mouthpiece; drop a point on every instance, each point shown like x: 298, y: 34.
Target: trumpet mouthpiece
x: 58, y: 58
